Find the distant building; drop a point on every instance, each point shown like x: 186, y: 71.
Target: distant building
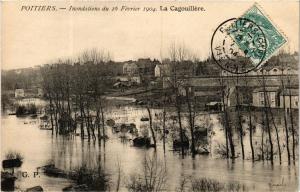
x: 40, y: 92
x: 130, y: 68
x: 286, y: 95
x: 122, y: 78
x: 270, y: 93
x: 129, y: 79
x: 275, y: 71
x: 276, y: 98
x: 19, y: 93
x: 147, y: 66
x: 163, y: 69
x: 136, y: 79
x: 285, y: 64
x: 157, y: 71
x: 266, y: 72
x: 281, y: 64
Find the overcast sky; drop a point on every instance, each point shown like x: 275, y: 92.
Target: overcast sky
x: 36, y: 38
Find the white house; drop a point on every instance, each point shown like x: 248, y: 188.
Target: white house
x: 40, y: 92
x: 157, y: 71
x: 258, y: 97
x: 162, y: 70
x: 19, y: 93
x: 130, y: 68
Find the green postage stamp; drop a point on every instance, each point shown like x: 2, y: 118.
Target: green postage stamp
x: 256, y: 36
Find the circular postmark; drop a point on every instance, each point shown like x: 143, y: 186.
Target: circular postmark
x: 238, y: 45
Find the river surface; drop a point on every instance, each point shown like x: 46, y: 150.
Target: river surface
x: 39, y: 148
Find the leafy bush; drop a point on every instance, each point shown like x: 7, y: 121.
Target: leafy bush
x: 21, y: 110
x: 96, y: 180
x: 32, y: 109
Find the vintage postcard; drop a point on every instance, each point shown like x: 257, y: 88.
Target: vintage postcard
x: 149, y: 96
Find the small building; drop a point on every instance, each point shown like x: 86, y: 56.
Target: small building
x: 258, y: 96
x: 146, y: 66
x: 289, y: 98
x: 216, y: 106
x: 136, y: 79
x: 19, y: 93
x: 275, y: 71
x: 130, y: 68
x: 162, y: 70
x: 40, y: 92
x: 157, y: 71
x: 122, y: 78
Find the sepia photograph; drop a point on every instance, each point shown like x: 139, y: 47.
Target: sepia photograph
x: 150, y: 96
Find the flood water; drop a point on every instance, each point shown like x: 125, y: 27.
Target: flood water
x: 39, y: 148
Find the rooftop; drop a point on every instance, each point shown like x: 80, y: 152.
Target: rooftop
x: 267, y: 89
x: 287, y: 92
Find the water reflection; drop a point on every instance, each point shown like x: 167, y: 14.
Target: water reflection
x: 40, y: 148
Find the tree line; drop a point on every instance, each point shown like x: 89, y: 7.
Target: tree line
x: 75, y: 89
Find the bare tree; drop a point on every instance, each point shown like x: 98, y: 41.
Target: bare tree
x: 77, y: 87
x: 267, y: 118
x: 150, y: 125
x: 240, y: 127
x: 164, y: 123
x: 152, y: 179
x: 275, y: 126
x: 191, y: 120
x: 177, y: 55
x: 249, y: 108
x: 228, y: 130
x: 285, y: 118
x: 292, y: 121
x: 96, y: 61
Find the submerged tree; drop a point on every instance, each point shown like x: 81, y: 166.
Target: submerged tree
x: 249, y: 111
x: 191, y: 111
x: 267, y: 119
x: 292, y: 121
x: 239, y: 123
x: 228, y: 130
x: 177, y: 55
x: 75, y: 91
x: 285, y: 120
